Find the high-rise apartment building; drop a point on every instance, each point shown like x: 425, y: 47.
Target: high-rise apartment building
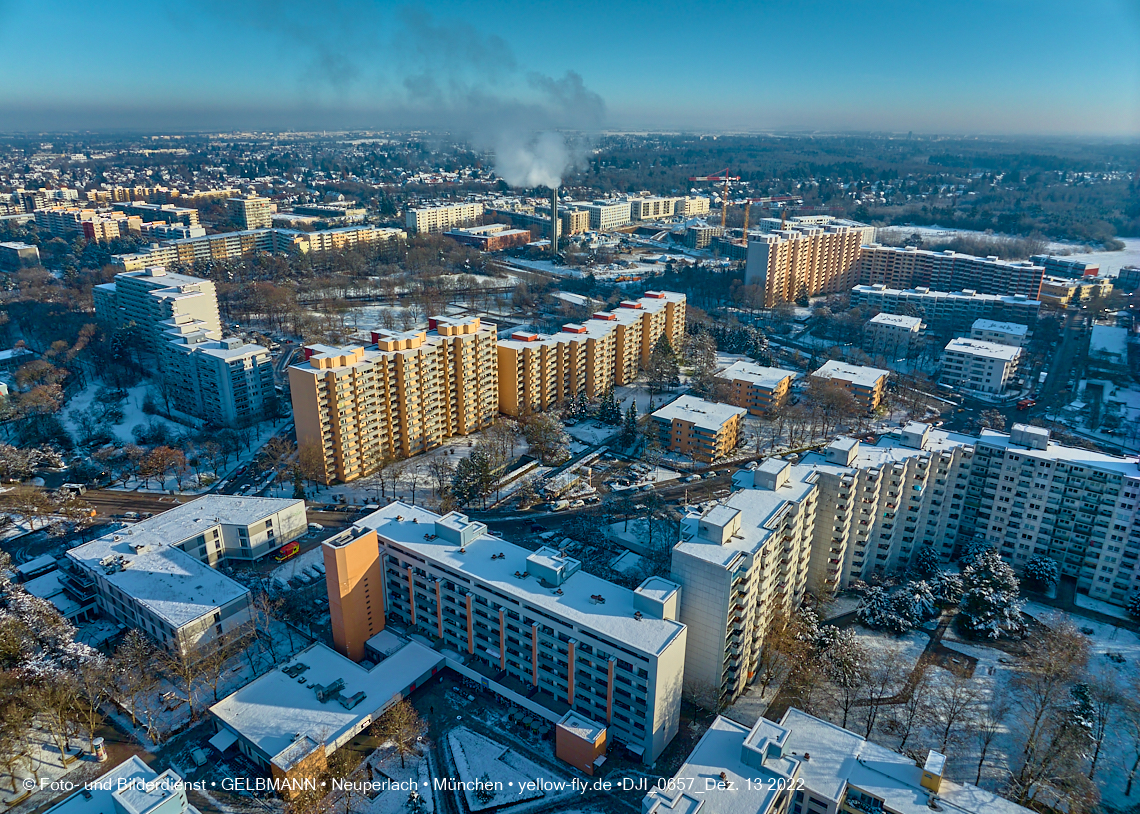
x: 606, y: 215
x: 222, y: 382
x: 980, y: 366
x: 768, y: 225
x: 802, y: 262
x: 1065, y: 266
x: 909, y: 267
x: 148, y: 297
x: 434, y: 220
x: 167, y: 213
x: 404, y: 397
x: 251, y: 211
x: 741, y: 565
x: 354, y: 581
x: 533, y: 624
x: 947, y: 312
x: 540, y: 371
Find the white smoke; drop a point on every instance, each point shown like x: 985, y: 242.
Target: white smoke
x: 539, y: 160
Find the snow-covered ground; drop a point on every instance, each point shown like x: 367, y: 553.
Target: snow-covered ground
x: 592, y: 432
x: 906, y: 648
x: 310, y: 563
x: 479, y: 758
x: 386, y: 765
x: 80, y: 409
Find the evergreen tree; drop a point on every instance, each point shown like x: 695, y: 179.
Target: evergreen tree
x: 1042, y: 571
x: 926, y: 562
x: 664, y: 370
x: 608, y: 411
x: 629, y: 430
x: 989, y: 608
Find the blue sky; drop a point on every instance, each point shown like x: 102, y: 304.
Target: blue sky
x: 947, y: 66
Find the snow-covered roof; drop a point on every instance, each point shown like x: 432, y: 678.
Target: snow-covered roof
x: 1011, y: 328
x: 1107, y: 340
x: 756, y: 375
x: 276, y: 711
x: 859, y: 375
x: 708, y: 415
x: 50, y: 588
x: 132, y: 787
x: 983, y: 350
x: 581, y: 726
x: 1063, y: 454
x: 897, y: 321
x: 411, y: 526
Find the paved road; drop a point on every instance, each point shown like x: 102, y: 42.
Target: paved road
x: 108, y: 502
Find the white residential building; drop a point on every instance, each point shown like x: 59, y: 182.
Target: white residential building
x: 651, y: 208
x: 435, y: 220
x: 606, y: 215
x: 893, y: 336
x: 132, y: 787
x: 741, y: 564
x: 805, y: 765
x: 148, y: 297
x: 1001, y: 333
x: 984, y: 367
x: 691, y: 207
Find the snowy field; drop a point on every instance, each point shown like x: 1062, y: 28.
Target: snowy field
x: 592, y: 432
x: 479, y: 758
x: 81, y: 409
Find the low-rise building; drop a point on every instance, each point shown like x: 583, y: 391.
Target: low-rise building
x: 1108, y: 349
x: 15, y: 255
x: 132, y: 787
x: 866, y: 384
x: 983, y: 367
x: 757, y: 388
x: 1065, y: 291
x: 1002, y: 333
x: 157, y: 575
x: 805, y: 764
x: 703, y: 430
x: 892, y: 336
x: 494, y: 237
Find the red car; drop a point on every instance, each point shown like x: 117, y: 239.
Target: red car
x: 287, y: 551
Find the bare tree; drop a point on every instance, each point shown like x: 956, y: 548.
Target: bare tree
x: 914, y: 708
x: 990, y: 721
x: 134, y: 670
x: 1105, y: 697
x: 952, y: 706
x: 883, y: 680
x: 402, y: 725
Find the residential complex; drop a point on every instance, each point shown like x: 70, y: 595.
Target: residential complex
x: 92, y: 224
x: 251, y: 212
x: 946, y: 312
x: 980, y: 366
x: 231, y: 245
x: 148, y: 297
x: 532, y: 625
x: 1065, y: 267
x: 756, y: 388
x: 435, y: 220
x: 651, y: 208
x: 804, y: 261
x: 167, y: 213
x: 132, y: 787
x: 1003, y: 333
x: 540, y: 371
x: 703, y: 430
x: 222, y: 382
x: 909, y: 267
x: 158, y: 575
x: 494, y: 237
x: 606, y: 215
x: 1064, y: 291
x: 866, y: 384
x: 892, y: 336
x: 15, y: 255
x: 402, y: 397
x: 805, y: 765
x: 691, y: 207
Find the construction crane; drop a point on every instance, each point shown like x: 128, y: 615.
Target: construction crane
x: 769, y: 200
x: 720, y: 176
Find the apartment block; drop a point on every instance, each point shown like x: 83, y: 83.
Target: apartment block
x: 1128, y: 279
x: 494, y: 237
x: 574, y: 221
x: 1065, y: 267
x: 910, y: 267
x: 892, y: 335
x: 93, y: 224
x: 167, y: 213
x: 355, y: 585
x: 768, y: 225
x: 534, y: 625
x: 221, y: 382
x: 701, y: 235
x: 157, y: 576
x: 651, y: 208
x: 805, y: 764
x: 231, y: 245
x: 541, y: 371
x: 434, y: 220
x: 803, y: 262
x: 866, y: 384
x: 1064, y: 291
x: 15, y: 255
x: 758, y: 389
x: 691, y: 207
x: 947, y: 312
x: 983, y: 367
x: 251, y: 212
x: 1002, y: 333
x: 150, y: 296
x: 606, y: 215
x: 703, y: 430
x: 742, y: 564
x: 404, y: 397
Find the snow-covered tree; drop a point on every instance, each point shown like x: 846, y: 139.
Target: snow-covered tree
x: 946, y: 587
x: 578, y: 407
x: 989, y: 608
x: 927, y: 562
x: 924, y: 602
x: 1134, y: 606
x: 972, y: 551
x: 629, y: 429
x: 609, y: 411
x: 1042, y: 571
x: 875, y: 610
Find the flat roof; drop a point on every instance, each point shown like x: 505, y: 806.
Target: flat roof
x: 897, y: 321
x: 856, y: 374
x: 275, y: 711
x: 983, y: 349
x: 613, y: 618
x: 926, y: 293
x: 131, y: 787
x: 704, y: 414
x: 50, y: 588
x: 1063, y: 454
x: 1012, y: 328
x: 1109, y: 340
x: 756, y: 375
x: 581, y: 726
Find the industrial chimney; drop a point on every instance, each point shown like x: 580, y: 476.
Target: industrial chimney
x: 553, y: 221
